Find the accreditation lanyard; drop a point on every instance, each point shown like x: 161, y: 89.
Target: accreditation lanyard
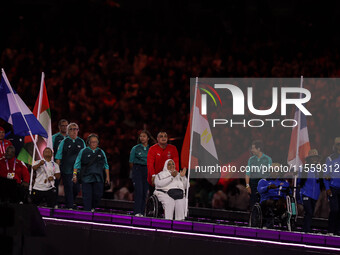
x: 2, y: 148
x: 46, y: 169
x: 15, y: 160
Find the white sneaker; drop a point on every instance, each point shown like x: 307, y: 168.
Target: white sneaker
x: 139, y: 215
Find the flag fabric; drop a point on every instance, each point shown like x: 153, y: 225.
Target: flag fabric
x: 203, y: 146
x: 303, y: 143
x: 11, y: 106
x: 44, y: 117
x: 43, y: 114
x: 226, y: 178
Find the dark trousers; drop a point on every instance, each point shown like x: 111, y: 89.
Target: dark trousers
x: 71, y: 189
x: 141, y: 185
x: 47, y: 196
x: 308, y: 206
x: 334, y: 215
x: 92, y: 193
x: 253, y: 187
x: 271, y: 208
x: 56, y: 184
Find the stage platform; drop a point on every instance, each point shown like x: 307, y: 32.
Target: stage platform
x: 93, y: 233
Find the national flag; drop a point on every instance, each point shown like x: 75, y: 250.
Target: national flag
x: 12, y: 110
x: 203, y: 146
x: 303, y: 146
x: 225, y: 177
x: 43, y: 114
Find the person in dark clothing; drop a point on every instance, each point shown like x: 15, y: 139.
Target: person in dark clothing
x: 309, y: 183
x: 138, y: 165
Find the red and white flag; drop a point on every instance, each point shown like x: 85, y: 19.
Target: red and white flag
x: 300, y: 136
x: 203, y: 146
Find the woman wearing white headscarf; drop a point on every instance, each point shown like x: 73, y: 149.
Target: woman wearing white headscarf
x: 170, y: 189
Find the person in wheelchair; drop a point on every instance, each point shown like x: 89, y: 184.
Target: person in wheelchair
x: 273, y: 191
x: 170, y: 188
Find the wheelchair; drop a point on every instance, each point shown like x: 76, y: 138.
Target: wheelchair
x: 154, y: 208
x: 288, y: 218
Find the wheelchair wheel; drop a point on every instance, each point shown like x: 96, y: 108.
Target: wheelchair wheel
x: 153, y: 207
x: 255, y: 220
x: 291, y: 213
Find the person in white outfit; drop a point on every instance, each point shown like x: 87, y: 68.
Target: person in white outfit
x: 47, y: 171
x: 170, y: 186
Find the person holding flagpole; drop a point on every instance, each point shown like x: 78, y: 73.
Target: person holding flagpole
x: 170, y: 189
x: 4, y: 144
x: 66, y: 156
x: 47, y: 172
x: 310, y: 187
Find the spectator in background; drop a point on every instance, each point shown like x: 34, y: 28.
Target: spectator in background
x: 310, y: 187
x: 138, y: 166
x: 92, y: 169
x: 56, y: 139
x: 47, y: 171
x: 158, y: 154
x: 66, y: 156
x: 4, y: 144
x: 332, y: 184
x: 258, y: 160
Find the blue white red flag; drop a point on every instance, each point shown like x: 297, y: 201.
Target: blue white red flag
x: 13, y: 110
x: 303, y: 147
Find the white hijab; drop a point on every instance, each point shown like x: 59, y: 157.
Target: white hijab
x: 176, y: 183
x: 165, y: 167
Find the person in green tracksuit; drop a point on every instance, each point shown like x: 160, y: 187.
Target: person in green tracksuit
x: 66, y: 156
x: 92, y: 169
x: 258, y: 160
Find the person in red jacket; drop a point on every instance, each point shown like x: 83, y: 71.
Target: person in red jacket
x: 14, y: 169
x: 158, y: 154
x: 3, y: 143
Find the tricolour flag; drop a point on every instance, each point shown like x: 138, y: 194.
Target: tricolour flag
x: 43, y: 114
x: 203, y: 147
x: 300, y: 131
x: 14, y: 111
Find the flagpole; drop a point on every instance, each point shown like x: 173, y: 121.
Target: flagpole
x: 36, y: 136
x: 190, y: 150
x: 297, y: 143
x: 18, y: 105
x: 39, y: 109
